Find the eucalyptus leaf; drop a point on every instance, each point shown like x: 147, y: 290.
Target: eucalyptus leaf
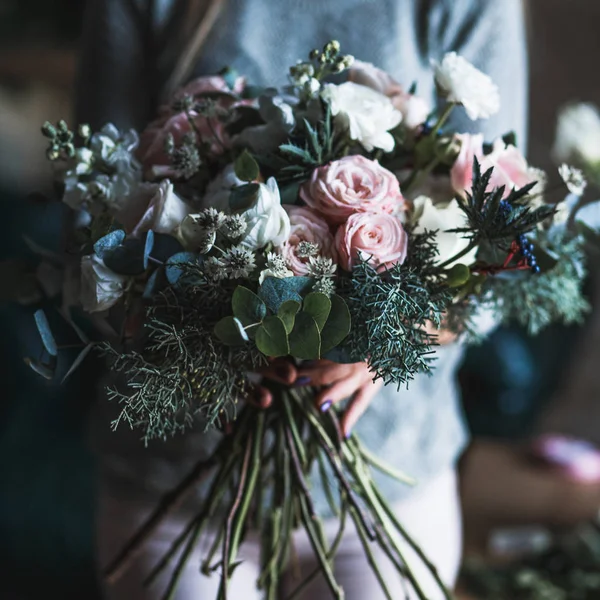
x: 231, y: 331
x: 175, y: 268
x: 318, y: 306
x: 275, y: 291
x: 289, y: 192
x: 245, y: 167
x: 272, y: 338
x: 151, y: 285
x: 247, y: 306
x: 243, y: 196
x: 77, y: 362
x: 337, y: 326
x: 43, y: 326
x: 305, y: 339
x: 148, y: 246
x: 46, y: 371
x: 109, y: 242
x: 287, y: 313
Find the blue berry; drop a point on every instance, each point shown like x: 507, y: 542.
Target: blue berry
x: 535, y: 268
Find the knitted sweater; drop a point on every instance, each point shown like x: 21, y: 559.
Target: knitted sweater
x: 419, y: 430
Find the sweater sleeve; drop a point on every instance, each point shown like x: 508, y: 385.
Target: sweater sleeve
x: 491, y: 35
x: 114, y: 80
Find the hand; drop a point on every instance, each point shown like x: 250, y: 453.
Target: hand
x: 280, y: 370
x: 341, y: 381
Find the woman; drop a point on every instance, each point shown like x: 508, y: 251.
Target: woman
x: 129, y: 54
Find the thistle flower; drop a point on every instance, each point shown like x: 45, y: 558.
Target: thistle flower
x: 275, y: 267
x: 186, y: 158
x: 234, y: 227
x: 320, y: 267
x: 213, y: 269
x: 324, y: 286
x: 307, y: 249
x: 238, y: 262
x: 210, y: 219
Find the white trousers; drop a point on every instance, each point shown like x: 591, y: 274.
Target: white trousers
x: 431, y: 515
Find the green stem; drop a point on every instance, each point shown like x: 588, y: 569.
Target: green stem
x: 442, y: 119
x: 382, y: 466
x: 460, y: 254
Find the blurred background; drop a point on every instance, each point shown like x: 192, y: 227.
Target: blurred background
x: 530, y: 529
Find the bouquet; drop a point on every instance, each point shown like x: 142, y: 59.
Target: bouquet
x: 339, y: 217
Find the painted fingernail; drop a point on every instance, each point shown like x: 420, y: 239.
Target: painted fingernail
x: 348, y: 434
x: 325, y: 406
x: 302, y: 381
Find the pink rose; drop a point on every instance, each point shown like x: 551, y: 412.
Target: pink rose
x: 414, y: 109
x: 306, y: 226
x: 511, y: 170
x: 153, y: 206
x: 377, y: 237
x: 151, y: 151
x: 350, y: 185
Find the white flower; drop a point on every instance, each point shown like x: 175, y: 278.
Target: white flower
x: 368, y: 114
x: 266, y: 220
x: 101, y: 288
x: 219, y: 189
x: 460, y: 82
x: 442, y: 218
x: 578, y: 135
x: 573, y: 178
x: 275, y: 267
x: 115, y: 148
x: 278, y: 116
x: 153, y: 207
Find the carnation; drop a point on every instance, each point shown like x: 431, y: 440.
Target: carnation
x: 350, y: 185
x: 367, y: 114
x: 461, y: 83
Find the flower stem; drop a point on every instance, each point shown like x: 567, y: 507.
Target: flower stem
x: 460, y: 254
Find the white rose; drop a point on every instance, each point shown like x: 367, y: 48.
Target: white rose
x: 460, y: 82
x: 219, y: 189
x: 153, y: 207
x: 368, y: 114
x: 578, y: 135
x: 442, y: 218
x: 101, y: 288
x: 266, y: 220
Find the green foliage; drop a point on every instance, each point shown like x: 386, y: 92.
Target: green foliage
x: 274, y: 291
x: 247, y: 306
x: 246, y: 168
x: 272, y: 337
x: 287, y: 313
x: 305, y: 339
x: 337, y: 326
x: 318, y: 306
x: 536, y: 301
x: 391, y: 310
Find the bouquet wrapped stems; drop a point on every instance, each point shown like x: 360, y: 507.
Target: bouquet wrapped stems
x: 274, y: 451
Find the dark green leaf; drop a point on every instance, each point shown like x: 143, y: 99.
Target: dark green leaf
x: 243, y: 196
x: 337, y: 326
x: 272, y: 338
x: 318, y: 306
x: 289, y: 192
x: 275, y: 291
x: 46, y: 371
x: 305, y: 339
x: 77, y: 362
x: 148, y: 246
x: 458, y: 275
x: 231, y: 332
x: 165, y: 246
x: 287, y: 313
x: 246, y: 168
x: 126, y: 259
x: 45, y: 333
x: 247, y: 306
x: 109, y: 242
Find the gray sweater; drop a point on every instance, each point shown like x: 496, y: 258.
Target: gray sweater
x: 420, y: 431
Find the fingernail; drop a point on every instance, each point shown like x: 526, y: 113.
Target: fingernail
x: 302, y: 381
x: 325, y: 406
x: 348, y: 434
